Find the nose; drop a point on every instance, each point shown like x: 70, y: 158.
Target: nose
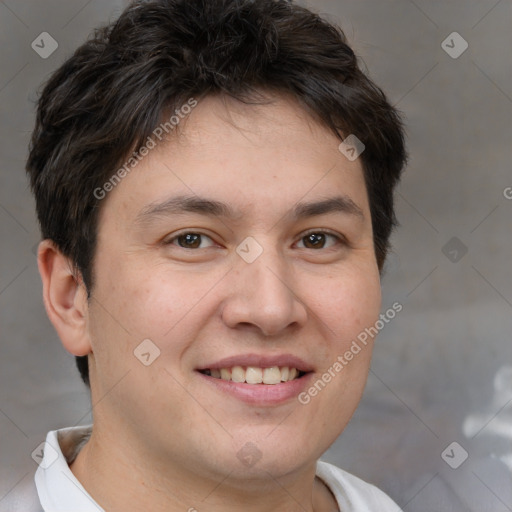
x: 262, y: 296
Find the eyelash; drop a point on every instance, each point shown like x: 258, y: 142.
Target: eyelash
x: 339, y: 238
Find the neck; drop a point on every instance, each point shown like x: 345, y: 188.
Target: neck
x: 124, y: 479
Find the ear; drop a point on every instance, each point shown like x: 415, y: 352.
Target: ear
x: 65, y: 298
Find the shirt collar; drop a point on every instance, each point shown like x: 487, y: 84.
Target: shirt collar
x: 60, y: 491
x: 58, y: 488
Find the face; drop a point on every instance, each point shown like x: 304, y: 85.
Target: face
x: 265, y: 287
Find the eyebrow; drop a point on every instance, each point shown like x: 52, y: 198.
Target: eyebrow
x: 180, y: 205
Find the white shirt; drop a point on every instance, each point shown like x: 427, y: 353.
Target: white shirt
x: 60, y: 491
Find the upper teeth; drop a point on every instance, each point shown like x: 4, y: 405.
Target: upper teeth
x: 255, y: 375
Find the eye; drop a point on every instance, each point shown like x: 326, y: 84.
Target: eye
x: 317, y: 239
x: 188, y: 240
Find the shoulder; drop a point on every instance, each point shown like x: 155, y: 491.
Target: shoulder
x: 352, y: 493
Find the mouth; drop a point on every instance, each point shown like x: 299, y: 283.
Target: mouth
x: 255, y: 375
x: 263, y: 380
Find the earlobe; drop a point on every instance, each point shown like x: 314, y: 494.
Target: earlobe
x: 65, y: 298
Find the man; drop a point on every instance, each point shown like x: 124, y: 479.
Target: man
x: 214, y: 182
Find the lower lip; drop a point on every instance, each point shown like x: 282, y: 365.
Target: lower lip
x: 260, y: 394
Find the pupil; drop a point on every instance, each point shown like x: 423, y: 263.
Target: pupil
x: 315, y: 238
x: 190, y: 237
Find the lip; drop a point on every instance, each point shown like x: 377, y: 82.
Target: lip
x: 259, y: 361
x: 262, y: 395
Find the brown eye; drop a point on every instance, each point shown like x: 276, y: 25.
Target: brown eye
x: 317, y: 239
x: 188, y: 240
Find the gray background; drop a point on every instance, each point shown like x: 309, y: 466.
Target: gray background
x: 442, y: 369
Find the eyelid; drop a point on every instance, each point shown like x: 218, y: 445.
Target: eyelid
x: 339, y: 237
x: 323, y: 231
x: 168, y: 240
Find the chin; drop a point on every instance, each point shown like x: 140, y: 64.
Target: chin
x: 272, y: 454
x: 266, y: 471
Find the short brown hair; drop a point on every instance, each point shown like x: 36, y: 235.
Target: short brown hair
x: 108, y: 97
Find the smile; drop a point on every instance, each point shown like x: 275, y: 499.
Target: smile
x: 255, y: 375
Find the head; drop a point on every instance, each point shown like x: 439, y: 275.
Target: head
x: 237, y: 102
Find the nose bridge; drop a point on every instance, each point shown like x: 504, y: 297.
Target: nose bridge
x: 261, y: 294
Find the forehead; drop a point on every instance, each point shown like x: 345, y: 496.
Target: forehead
x: 241, y: 156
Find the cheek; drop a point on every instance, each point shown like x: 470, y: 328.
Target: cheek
x: 348, y: 303
x: 147, y: 300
